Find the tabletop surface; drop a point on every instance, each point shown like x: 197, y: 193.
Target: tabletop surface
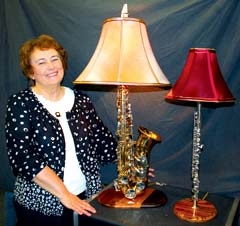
x: 162, y: 216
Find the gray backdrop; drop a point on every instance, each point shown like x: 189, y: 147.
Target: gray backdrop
x: 173, y: 27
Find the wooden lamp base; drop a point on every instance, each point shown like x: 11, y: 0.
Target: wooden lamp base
x: 149, y: 198
x: 185, y: 210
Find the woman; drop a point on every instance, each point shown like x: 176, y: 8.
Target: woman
x: 55, y: 140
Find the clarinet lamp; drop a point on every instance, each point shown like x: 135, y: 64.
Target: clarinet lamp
x: 201, y: 81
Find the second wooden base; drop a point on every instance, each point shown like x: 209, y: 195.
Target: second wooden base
x: 116, y: 199
x: 205, y: 211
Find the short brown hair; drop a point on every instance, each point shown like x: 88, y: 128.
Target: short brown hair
x: 40, y: 42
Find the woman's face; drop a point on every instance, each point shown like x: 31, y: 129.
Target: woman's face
x: 47, y: 67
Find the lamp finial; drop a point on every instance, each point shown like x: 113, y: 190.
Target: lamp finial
x: 124, y: 12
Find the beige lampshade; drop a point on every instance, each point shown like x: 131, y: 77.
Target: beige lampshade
x: 123, y: 56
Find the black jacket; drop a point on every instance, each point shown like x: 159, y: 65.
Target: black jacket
x: 35, y: 139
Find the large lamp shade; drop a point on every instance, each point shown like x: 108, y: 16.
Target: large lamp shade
x: 123, y: 56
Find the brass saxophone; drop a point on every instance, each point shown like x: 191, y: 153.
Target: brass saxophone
x: 133, y: 156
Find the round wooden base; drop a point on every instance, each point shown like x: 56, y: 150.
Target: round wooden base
x: 149, y: 198
x: 185, y: 210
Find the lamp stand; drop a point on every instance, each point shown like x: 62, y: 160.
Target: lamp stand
x: 125, y: 151
x: 195, y: 209
x: 133, y: 156
x: 131, y: 187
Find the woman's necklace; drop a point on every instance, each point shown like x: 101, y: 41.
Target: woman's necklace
x: 50, y: 95
x: 54, y: 103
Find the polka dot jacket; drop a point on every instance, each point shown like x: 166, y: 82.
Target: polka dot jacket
x: 35, y: 139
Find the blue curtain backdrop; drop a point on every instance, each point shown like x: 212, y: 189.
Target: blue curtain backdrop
x: 173, y: 27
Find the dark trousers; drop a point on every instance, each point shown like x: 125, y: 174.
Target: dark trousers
x: 27, y: 217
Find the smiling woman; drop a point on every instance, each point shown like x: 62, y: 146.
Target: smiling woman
x: 47, y: 72
x: 173, y: 27
x: 55, y: 141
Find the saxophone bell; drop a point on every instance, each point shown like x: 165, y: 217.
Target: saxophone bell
x: 133, y: 157
x: 133, y: 176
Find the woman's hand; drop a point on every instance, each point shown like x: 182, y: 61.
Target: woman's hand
x: 49, y: 181
x: 151, y: 172
x: 76, y: 204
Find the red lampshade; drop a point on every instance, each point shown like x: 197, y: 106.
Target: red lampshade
x: 201, y: 79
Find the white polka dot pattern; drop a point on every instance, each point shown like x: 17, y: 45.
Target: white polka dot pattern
x: 35, y: 139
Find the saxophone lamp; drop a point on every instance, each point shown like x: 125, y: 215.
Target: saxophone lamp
x: 124, y: 57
